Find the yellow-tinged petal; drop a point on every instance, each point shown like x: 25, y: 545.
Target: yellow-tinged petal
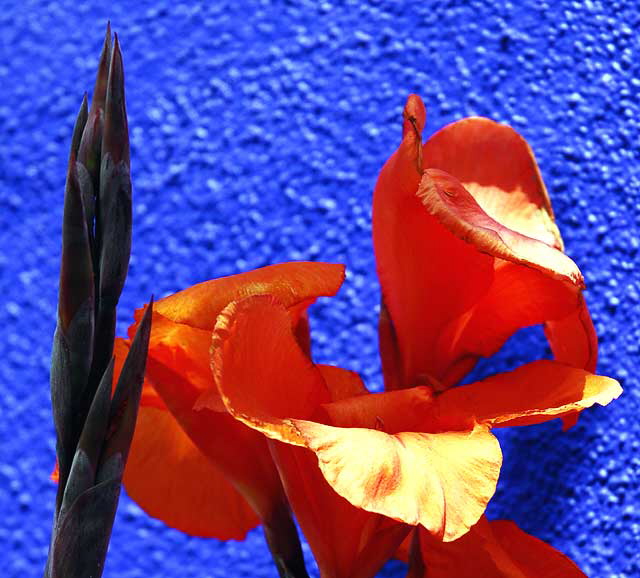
x: 497, y: 166
x: 453, y: 206
x: 441, y: 481
x: 533, y: 393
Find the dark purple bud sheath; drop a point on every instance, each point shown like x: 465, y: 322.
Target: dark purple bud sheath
x: 94, y: 430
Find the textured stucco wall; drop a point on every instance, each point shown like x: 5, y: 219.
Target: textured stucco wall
x: 258, y: 129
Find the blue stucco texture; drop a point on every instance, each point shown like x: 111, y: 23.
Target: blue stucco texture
x: 257, y: 131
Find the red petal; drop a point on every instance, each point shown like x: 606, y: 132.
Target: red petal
x: 496, y: 549
x: 345, y: 541
x: 172, y: 480
x: 341, y: 383
x: 427, y: 275
x: 573, y: 338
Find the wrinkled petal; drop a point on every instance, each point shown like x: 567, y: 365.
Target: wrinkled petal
x: 170, y: 479
x: 497, y: 166
x: 533, y: 393
x: 442, y: 480
x: 296, y: 285
x: 445, y: 198
x: 497, y: 549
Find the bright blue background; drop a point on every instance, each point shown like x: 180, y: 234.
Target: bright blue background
x: 258, y: 129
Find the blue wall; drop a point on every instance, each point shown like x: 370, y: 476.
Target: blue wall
x: 258, y: 129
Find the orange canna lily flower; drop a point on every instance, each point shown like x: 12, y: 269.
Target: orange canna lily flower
x: 360, y: 469
x: 468, y: 252
x: 204, y: 472
x: 496, y: 549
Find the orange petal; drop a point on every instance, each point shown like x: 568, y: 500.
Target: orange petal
x: 533, y: 393
x: 391, y: 412
x: 178, y: 372
x: 258, y: 365
x: 533, y: 556
x: 497, y: 549
x: 181, y: 352
x: 296, y: 285
x: 54, y: 476
x: 237, y: 451
x: 172, y: 480
x: 506, y: 182
x: 519, y: 297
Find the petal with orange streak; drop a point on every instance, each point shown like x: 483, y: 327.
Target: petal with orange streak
x: 497, y: 166
x: 440, y: 481
x: 170, y: 479
x: 297, y: 285
x: 497, y: 549
x: 533, y: 393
